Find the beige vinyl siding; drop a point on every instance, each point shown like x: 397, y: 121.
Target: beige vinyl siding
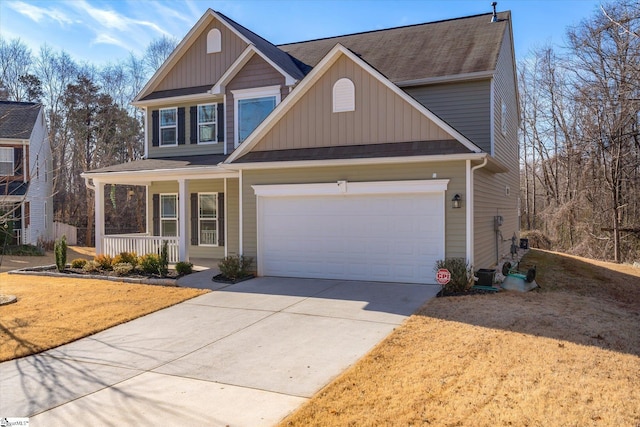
x: 232, y: 200
x: 464, y: 105
x: 490, y: 190
x: 255, y: 74
x: 187, y: 149
x: 196, y: 67
x: 455, y: 222
x: 380, y: 116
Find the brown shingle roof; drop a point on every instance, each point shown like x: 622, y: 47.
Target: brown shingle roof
x: 436, y: 49
x: 17, y: 119
x: 165, y: 163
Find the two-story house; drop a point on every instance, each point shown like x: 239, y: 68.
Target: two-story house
x: 25, y: 178
x: 366, y: 156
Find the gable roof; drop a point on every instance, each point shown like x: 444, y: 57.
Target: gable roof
x: 17, y: 119
x: 458, y: 46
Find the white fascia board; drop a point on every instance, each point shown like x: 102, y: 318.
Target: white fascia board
x: 174, y: 100
x: 145, y: 177
x: 345, y: 188
x: 479, y: 75
x: 237, y: 65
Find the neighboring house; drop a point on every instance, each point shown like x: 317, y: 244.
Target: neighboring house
x: 366, y: 156
x: 25, y: 172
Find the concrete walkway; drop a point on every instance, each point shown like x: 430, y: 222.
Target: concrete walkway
x: 244, y: 355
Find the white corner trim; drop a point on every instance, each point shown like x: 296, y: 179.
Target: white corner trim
x: 344, y: 188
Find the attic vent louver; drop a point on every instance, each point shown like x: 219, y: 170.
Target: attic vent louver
x: 494, y: 17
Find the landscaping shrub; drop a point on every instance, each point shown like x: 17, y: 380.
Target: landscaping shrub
x: 461, y: 274
x: 164, y: 259
x: 91, y: 267
x: 183, y: 268
x: 104, y: 261
x: 235, y: 266
x: 60, y: 250
x: 126, y: 257
x: 122, y: 268
x: 78, y: 263
x: 149, y: 264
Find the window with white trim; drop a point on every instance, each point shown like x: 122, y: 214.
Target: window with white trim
x: 344, y: 96
x: 503, y: 117
x: 207, y: 123
x: 168, y: 126
x: 6, y: 161
x: 168, y: 215
x: 208, y: 219
x: 214, y: 41
x: 251, y: 107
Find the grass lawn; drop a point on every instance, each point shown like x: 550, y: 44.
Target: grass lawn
x: 564, y: 355
x: 52, y: 311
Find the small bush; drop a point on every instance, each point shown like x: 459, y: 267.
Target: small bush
x: 78, y: 263
x: 60, y: 250
x: 91, y: 267
x: 149, y: 263
x: 235, y: 266
x: 104, y: 261
x: 126, y: 257
x: 122, y: 268
x: 164, y: 259
x: 184, y: 268
x: 461, y: 274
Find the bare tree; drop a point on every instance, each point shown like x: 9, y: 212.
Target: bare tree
x: 158, y: 51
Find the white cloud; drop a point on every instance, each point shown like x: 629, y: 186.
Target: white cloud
x: 37, y: 14
x: 112, y: 20
x: 109, y: 39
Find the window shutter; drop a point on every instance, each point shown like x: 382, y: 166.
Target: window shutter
x: 220, y: 122
x: 156, y: 214
x: 194, y: 219
x: 193, y: 119
x: 155, y: 128
x: 27, y: 214
x: 17, y: 161
x: 181, y: 126
x: 221, y: 219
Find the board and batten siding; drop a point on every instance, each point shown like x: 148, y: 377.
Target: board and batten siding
x: 455, y: 221
x: 187, y: 149
x: 464, y: 105
x: 256, y: 73
x: 380, y: 116
x: 196, y: 67
x: 498, y: 194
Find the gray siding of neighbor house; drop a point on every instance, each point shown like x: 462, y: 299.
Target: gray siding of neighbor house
x: 455, y: 222
x: 491, y: 190
x: 464, y: 105
x: 380, y: 116
x: 255, y: 74
x: 40, y: 191
x: 196, y: 67
x: 187, y: 149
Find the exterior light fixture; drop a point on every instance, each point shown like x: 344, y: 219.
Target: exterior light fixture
x: 456, y: 202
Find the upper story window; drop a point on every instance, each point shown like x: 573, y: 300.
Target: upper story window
x: 214, y: 41
x: 6, y: 161
x: 344, y: 96
x: 207, y: 121
x: 503, y: 117
x: 168, y: 126
x: 252, y: 106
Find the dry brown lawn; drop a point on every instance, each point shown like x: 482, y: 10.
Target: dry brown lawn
x: 567, y: 354
x: 52, y: 311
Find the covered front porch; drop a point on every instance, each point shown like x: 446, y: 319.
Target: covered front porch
x: 192, y: 208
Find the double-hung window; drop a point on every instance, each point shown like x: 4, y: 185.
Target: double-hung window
x: 252, y: 106
x: 169, y: 215
x: 168, y: 126
x: 6, y: 161
x: 208, y: 219
x: 207, y: 123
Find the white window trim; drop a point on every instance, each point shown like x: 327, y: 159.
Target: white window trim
x: 215, y: 137
x: 209, y: 219
x: 162, y: 218
x: 12, y: 159
x: 259, y: 92
x: 503, y: 117
x: 160, y: 127
x: 344, y: 95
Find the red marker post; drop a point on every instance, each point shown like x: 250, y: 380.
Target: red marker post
x: 443, y: 276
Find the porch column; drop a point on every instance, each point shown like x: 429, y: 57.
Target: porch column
x: 183, y: 219
x: 99, y: 215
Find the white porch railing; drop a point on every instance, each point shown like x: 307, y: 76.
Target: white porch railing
x: 141, y: 244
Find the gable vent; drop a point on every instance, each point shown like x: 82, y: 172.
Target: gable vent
x: 344, y: 96
x: 214, y: 41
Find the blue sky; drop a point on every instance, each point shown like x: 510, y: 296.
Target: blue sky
x: 106, y: 31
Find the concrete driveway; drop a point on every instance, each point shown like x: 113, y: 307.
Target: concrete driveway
x: 243, y: 355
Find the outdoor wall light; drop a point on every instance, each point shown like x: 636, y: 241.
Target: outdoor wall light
x: 456, y: 202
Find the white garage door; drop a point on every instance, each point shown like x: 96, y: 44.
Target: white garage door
x: 378, y: 237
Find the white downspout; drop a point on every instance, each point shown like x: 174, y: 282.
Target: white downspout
x: 470, y: 208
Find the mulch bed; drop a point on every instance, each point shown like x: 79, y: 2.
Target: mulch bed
x: 473, y: 291
x: 220, y: 278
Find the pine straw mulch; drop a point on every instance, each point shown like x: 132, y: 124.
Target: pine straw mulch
x: 565, y: 354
